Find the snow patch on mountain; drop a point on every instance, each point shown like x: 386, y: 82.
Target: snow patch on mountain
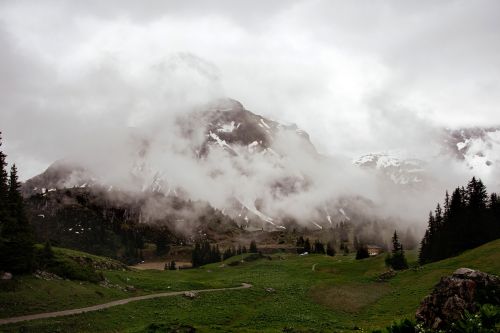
x: 399, y: 170
x: 228, y: 128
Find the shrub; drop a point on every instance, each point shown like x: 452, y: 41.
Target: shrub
x: 484, y: 321
x: 362, y: 253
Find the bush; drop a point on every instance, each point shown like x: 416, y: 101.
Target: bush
x: 403, y: 326
x: 396, y: 261
x: 362, y: 253
x: 484, y: 321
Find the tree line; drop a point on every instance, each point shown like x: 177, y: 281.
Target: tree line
x: 205, y: 253
x: 467, y: 219
x: 304, y: 245
x: 16, y: 235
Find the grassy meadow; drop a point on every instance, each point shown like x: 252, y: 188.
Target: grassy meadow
x: 312, y: 293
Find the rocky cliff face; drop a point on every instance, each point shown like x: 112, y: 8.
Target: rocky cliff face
x: 464, y: 290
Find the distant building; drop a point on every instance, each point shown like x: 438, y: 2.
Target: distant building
x: 374, y: 250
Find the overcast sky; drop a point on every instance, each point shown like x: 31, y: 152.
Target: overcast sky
x: 359, y: 76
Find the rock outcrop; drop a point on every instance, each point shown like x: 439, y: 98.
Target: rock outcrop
x: 464, y: 290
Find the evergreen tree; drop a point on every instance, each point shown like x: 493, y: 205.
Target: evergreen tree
x: 203, y: 253
x: 424, y: 253
x: 330, y: 249
x: 396, y: 259
x: 161, y: 243
x: 362, y: 252
x: 4, y: 189
x: 356, y: 243
x: 477, y: 221
x: 300, y: 244
x: 307, y: 246
x: 446, y: 205
x: 253, y: 247
x: 47, y: 252
x: 17, y: 245
x: 346, y: 249
x: 469, y: 219
x: 46, y: 256
x: 196, y: 255
x: 228, y: 253
x: 319, y: 247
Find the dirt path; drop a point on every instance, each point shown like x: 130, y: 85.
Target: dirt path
x: 11, y: 320
x: 313, y: 267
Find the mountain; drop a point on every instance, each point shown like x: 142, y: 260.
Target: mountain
x: 398, y: 170
x: 478, y: 147
x: 228, y: 173
x: 242, y: 171
x: 226, y: 128
x: 228, y: 124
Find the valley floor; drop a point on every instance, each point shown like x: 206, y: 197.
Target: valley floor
x: 339, y: 295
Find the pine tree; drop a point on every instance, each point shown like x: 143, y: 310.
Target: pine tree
x: 477, y: 203
x: 196, y: 255
x: 300, y: 244
x: 319, y: 247
x: 4, y: 189
x: 446, y: 205
x: 356, y: 243
x: 17, y: 246
x: 362, y: 252
x: 396, y: 259
x: 423, y: 254
x: 330, y: 249
x: 253, y: 247
x: 346, y: 249
x: 161, y: 242
x: 307, y: 246
x: 47, y: 251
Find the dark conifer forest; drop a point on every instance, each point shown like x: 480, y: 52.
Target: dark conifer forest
x: 469, y: 218
x: 16, y: 236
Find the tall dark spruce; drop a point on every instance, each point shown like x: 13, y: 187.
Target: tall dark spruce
x: 16, y: 236
x: 396, y: 259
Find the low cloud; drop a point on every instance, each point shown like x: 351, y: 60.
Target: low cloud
x: 104, y: 84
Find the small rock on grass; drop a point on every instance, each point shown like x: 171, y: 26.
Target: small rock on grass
x: 190, y: 294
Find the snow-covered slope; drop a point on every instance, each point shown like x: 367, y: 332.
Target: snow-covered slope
x: 478, y: 147
x: 398, y: 170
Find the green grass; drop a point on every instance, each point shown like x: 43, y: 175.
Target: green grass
x: 339, y: 295
x: 27, y: 294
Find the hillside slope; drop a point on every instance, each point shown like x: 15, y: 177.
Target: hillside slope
x: 314, y: 293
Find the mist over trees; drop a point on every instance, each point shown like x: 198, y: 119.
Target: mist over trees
x: 466, y: 220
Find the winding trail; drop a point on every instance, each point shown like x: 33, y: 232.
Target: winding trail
x: 11, y: 320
